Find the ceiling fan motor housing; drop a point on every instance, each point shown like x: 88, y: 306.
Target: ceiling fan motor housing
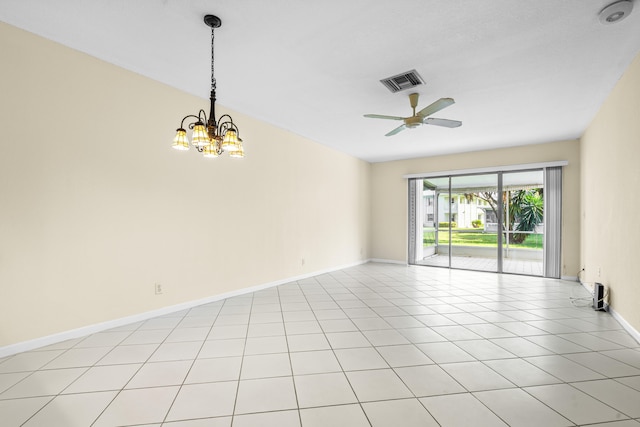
x: 413, y: 122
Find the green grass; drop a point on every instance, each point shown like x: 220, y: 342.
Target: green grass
x: 478, y: 238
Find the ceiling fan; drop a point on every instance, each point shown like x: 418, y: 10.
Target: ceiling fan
x: 422, y: 117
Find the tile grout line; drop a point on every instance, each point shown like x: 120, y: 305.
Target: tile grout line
x: 173, y: 401
x: 286, y: 337
x: 137, y: 371
x: 344, y: 374
x: 53, y: 397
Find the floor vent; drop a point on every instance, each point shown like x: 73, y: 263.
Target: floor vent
x: 403, y: 81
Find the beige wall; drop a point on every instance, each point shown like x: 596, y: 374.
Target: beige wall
x: 389, y: 194
x: 610, y: 208
x: 95, y: 207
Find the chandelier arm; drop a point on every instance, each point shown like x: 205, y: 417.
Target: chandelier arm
x: 224, y: 125
x: 186, y: 117
x: 227, y: 116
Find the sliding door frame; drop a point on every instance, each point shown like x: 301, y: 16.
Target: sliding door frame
x: 552, y: 171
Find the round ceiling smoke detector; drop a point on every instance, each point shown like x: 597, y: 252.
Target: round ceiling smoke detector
x: 615, y: 12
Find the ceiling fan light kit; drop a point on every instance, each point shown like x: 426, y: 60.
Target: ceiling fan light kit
x: 615, y: 12
x: 421, y: 117
x: 208, y: 136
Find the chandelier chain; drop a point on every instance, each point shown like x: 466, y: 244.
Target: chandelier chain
x: 213, y: 79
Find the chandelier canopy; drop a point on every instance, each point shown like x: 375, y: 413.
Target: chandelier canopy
x: 210, y: 137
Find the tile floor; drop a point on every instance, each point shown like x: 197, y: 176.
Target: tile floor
x: 374, y: 345
x: 515, y: 266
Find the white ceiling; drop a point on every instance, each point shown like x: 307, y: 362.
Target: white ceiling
x: 521, y: 72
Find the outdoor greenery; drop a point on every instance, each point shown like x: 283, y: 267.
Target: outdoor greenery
x: 522, y: 210
x: 478, y: 238
x: 523, y: 207
x: 529, y: 211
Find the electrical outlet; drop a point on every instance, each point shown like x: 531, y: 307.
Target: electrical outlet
x: 158, y: 288
x: 599, y: 271
x: 303, y: 261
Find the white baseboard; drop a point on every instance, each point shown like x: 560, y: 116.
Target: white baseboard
x: 103, y: 326
x: 387, y: 261
x: 588, y: 287
x: 569, y: 278
x: 626, y: 325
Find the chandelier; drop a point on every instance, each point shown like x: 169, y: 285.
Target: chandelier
x: 208, y: 136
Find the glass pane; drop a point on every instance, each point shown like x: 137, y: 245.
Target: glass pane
x: 523, y: 195
x: 474, y: 231
x: 435, y: 198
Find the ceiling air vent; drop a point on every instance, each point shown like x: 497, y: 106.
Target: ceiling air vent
x: 403, y: 81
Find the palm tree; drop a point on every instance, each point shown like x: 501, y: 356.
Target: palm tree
x: 529, y: 212
x: 525, y: 207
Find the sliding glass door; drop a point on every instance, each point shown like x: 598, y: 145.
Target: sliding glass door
x: 459, y: 225
x: 523, y: 242
x: 474, y: 231
x: 487, y: 222
x: 434, y: 212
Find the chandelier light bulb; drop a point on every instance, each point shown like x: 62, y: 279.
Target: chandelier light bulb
x: 180, y: 142
x: 239, y: 152
x: 210, y: 151
x: 200, y: 138
x: 230, y: 141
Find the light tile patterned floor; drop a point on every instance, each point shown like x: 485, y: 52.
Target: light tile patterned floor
x: 514, y: 266
x: 374, y: 345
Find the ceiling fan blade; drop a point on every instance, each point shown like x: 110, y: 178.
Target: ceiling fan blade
x: 378, y: 116
x: 435, y: 107
x: 443, y: 122
x: 397, y: 130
